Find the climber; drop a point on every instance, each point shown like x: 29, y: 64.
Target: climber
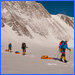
x: 9, y: 47
x: 62, y: 49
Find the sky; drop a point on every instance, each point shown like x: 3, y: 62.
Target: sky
x: 59, y: 7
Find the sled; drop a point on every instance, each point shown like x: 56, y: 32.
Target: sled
x: 17, y: 52
x: 45, y: 57
x: 6, y: 50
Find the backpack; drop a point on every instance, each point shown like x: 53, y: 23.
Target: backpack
x: 60, y: 43
x: 23, y: 45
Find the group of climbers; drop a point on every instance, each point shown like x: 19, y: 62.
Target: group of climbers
x: 62, y: 48
x: 23, y: 48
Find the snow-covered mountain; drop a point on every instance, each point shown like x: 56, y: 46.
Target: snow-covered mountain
x: 27, y: 16
x: 30, y: 22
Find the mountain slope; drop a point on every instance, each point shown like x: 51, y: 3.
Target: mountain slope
x: 25, y: 15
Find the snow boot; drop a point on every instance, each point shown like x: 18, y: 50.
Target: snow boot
x: 24, y: 53
x: 61, y: 60
x: 65, y: 61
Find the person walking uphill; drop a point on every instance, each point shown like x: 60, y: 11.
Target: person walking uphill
x: 10, y: 47
x: 62, y: 49
x: 24, y: 48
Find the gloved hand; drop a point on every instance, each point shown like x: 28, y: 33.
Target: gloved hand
x: 60, y: 49
x: 69, y: 49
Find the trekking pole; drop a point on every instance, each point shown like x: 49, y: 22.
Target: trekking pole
x: 57, y: 54
x: 29, y: 51
x: 69, y: 55
x: 26, y: 47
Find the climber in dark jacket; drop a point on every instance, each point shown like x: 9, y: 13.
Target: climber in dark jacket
x: 24, y: 48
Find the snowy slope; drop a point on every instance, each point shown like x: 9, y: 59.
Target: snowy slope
x: 34, y: 16
x: 31, y: 63
x: 30, y: 22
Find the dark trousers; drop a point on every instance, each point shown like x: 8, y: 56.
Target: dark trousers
x: 24, y: 50
x: 9, y: 48
x: 63, y: 52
